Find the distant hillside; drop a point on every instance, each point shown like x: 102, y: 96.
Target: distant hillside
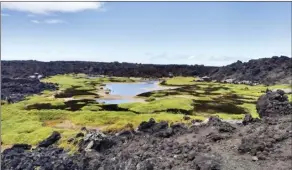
x: 264, y: 70
x: 26, y: 68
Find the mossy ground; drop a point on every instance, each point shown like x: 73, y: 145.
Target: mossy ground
x: 26, y: 122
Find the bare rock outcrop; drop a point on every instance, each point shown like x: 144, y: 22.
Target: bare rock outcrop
x: 273, y: 104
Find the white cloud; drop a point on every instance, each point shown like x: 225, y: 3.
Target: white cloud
x: 35, y: 21
x: 51, y: 7
x: 53, y: 21
x: 5, y: 15
x: 48, y: 21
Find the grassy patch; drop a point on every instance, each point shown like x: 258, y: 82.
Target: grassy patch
x: 179, y: 81
x: 165, y: 104
x: 115, y: 121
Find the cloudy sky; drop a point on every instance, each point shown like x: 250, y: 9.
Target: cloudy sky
x: 145, y: 32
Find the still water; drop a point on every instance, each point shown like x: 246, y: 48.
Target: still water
x: 128, y: 90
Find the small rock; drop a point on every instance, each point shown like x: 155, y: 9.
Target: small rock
x: 254, y: 158
x: 247, y: 119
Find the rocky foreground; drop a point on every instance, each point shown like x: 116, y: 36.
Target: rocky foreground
x: 252, y: 144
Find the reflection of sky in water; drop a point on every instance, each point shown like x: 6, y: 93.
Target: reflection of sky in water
x: 130, y: 89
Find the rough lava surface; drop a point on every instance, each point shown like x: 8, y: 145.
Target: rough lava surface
x: 17, y: 88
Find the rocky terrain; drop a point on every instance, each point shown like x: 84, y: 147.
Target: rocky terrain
x: 265, y: 70
x: 252, y: 144
x: 29, y: 67
x: 15, y: 89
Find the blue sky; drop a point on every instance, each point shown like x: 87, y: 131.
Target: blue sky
x: 210, y: 33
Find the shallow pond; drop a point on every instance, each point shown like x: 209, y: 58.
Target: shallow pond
x: 125, y: 92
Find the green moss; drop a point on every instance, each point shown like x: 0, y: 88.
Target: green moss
x: 91, y: 108
x: 252, y: 109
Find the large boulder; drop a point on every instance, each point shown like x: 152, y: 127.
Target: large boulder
x: 273, y: 104
x: 220, y: 125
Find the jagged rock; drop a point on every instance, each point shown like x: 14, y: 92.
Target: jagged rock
x: 95, y: 140
x: 273, y: 104
x: 159, y: 129
x: 159, y: 126
x: 222, y: 126
x: 147, y: 126
x: 53, y: 138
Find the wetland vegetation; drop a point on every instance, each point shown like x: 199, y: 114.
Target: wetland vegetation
x: 74, y: 106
